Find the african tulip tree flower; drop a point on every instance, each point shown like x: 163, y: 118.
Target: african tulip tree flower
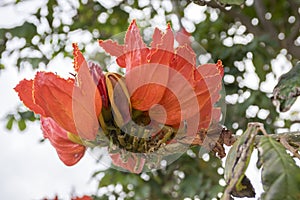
x: 162, y: 99
x: 167, y: 76
x: 68, y: 151
x: 163, y: 83
x: 69, y: 108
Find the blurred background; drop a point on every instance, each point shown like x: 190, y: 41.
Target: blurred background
x: 257, y: 41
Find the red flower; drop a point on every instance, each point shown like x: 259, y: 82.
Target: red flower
x: 162, y: 87
x: 165, y: 82
x: 68, y: 152
x: 65, y: 105
x: 167, y: 76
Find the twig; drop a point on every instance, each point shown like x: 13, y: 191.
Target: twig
x: 290, y: 137
x: 285, y: 143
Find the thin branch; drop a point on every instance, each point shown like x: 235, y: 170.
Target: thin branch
x: 290, y: 137
x: 285, y: 143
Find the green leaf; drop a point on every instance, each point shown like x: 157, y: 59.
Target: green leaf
x: 237, y: 162
x: 288, y: 88
x: 27, y: 115
x: 10, y: 122
x: 280, y: 174
x: 21, y: 124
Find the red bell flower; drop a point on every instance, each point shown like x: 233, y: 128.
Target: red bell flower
x: 66, y: 106
x: 164, y: 81
x: 167, y: 76
x: 162, y: 87
x: 68, y: 151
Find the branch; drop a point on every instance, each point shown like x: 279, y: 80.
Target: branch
x: 285, y: 143
x: 290, y: 137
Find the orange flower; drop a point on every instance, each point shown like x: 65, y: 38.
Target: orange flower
x: 167, y: 76
x: 65, y: 105
x: 68, y: 152
x: 163, y: 93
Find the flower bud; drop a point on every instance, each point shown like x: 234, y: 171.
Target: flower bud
x: 119, y: 98
x: 99, y: 79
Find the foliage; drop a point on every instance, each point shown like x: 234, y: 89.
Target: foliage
x: 288, y: 88
x: 248, y: 38
x: 280, y: 174
x: 237, y: 162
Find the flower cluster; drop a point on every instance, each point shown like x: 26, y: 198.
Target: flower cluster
x: 162, y: 99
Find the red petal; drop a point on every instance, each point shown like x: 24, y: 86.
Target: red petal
x: 162, y: 48
x: 183, y: 37
x: 212, y: 74
x: 112, y: 47
x: 78, y: 57
x: 25, y: 92
x: 209, y: 84
x: 133, y: 39
x: 187, y: 54
x: 68, y: 152
x: 169, y: 111
x: 146, y: 85
x: 133, y: 164
x: 156, y: 38
x: 146, y: 96
x: 179, y: 100
x: 167, y: 40
x: 54, y: 95
x: 163, y: 41
x: 135, y: 50
x: 86, y: 100
x: 99, y: 79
